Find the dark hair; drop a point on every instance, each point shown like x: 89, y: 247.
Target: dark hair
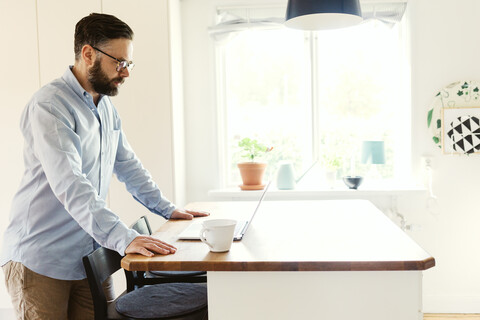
x: 97, y: 29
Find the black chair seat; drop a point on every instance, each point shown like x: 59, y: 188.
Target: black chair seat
x: 162, y: 300
x: 179, y: 301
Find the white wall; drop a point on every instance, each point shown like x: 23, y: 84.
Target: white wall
x: 444, y: 49
x: 145, y: 102
x: 20, y: 74
x: 199, y: 98
x: 37, y: 47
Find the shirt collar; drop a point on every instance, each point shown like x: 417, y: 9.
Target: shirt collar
x: 72, y: 81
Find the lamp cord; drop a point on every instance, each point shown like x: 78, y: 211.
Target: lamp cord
x: 432, y: 200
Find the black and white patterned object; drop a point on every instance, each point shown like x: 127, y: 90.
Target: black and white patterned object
x: 464, y: 134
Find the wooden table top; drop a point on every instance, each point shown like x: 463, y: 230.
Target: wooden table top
x: 326, y: 235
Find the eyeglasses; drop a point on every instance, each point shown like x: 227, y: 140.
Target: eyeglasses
x: 121, y: 64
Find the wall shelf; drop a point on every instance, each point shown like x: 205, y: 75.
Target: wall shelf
x: 314, y: 194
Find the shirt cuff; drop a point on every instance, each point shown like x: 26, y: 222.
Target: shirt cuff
x: 167, y: 213
x: 121, y: 237
x: 165, y: 208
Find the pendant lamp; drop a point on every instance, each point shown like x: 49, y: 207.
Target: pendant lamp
x: 322, y: 14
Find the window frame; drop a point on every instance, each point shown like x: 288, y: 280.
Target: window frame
x: 402, y: 169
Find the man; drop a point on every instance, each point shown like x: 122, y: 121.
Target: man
x: 73, y: 143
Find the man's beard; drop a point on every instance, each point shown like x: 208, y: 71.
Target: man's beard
x: 100, y: 82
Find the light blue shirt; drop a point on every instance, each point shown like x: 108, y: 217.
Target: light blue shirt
x: 59, y: 213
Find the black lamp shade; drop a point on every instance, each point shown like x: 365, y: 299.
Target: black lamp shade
x: 322, y: 14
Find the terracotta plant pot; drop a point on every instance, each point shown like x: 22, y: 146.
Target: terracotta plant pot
x: 252, y: 175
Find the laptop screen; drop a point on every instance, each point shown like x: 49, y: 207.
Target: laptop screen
x: 256, y: 209
x: 192, y: 232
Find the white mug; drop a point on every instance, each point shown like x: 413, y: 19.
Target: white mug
x: 218, y: 234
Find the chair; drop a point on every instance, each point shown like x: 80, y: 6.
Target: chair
x: 137, y: 279
x: 179, y: 301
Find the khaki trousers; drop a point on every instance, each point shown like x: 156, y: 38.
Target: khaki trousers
x: 37, y: 297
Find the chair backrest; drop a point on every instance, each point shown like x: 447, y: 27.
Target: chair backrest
x: 142, y: 226
x: 99, y: 265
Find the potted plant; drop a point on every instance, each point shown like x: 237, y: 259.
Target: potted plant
x: 331, y: 163
x: 252, y: 171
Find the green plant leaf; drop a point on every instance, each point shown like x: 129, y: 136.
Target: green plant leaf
x: 252, y: 148
x: 429, y: 117
x: 460, y: 93
x: 436, y: 139
x: 439, y: 123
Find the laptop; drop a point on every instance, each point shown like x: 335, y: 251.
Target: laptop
x: 192, y: 232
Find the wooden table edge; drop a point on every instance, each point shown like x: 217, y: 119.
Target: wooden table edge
x: 128, y: 263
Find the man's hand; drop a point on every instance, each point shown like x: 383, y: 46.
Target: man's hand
x: 148, y: 246
x: 188, y: 214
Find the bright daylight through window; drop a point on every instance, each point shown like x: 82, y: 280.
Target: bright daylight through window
x: 315, y: 96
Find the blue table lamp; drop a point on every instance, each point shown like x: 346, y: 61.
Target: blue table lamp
x: 373, y: 152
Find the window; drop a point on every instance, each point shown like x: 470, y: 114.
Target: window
x: 314, y: 96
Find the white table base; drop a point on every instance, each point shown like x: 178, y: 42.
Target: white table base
x: 332, y: 295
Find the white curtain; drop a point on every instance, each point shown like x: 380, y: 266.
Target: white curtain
x: 239, y: 18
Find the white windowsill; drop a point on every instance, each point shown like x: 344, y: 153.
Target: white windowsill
x: 338, y: 192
